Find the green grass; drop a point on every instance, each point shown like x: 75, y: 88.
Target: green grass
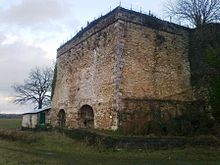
x: 10, y: 123
x: 54, y: 148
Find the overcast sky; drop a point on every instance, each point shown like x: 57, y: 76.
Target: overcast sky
x: 32, y: 30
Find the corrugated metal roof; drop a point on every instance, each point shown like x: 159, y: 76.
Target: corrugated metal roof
x: 37, y: 110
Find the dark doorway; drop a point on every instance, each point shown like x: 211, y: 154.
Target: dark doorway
x: 61, y: 118
x: 86, y: 117
x: 42, y: 118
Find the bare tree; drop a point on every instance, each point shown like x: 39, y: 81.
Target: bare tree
x: 36, y: 89
x: 197, y: 12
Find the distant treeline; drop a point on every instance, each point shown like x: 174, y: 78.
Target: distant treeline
x: 9, y: 116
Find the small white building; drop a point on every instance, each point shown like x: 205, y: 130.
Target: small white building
x: 35, y: 118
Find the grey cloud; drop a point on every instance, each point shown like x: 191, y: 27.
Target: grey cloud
x: 2, y: 38
x: 49, y: 14
x: 34, y: 11
x: 16, y: 61
x: 31, y: 22
x: 7, y: 105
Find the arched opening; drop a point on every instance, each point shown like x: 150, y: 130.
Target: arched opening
x: 61, y: 118
x: 86, y: 117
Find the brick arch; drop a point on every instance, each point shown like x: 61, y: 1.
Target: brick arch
x: 86, y: 116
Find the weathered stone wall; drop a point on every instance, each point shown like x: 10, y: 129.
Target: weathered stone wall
x: 85, y: 76
x: 156, y: 64
x: 138, y: 113
x: 122, y: 56
x: 155, y: 67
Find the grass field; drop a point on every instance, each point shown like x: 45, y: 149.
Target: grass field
x: 10, y: 123
x: 54, y: 148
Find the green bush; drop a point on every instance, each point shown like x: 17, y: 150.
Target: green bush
x: 213, y: 56
x: 213, y: 59
x: 214, y: 100
x: 205, y: 65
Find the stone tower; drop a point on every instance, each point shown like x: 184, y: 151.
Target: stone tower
x: 122, y: 67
